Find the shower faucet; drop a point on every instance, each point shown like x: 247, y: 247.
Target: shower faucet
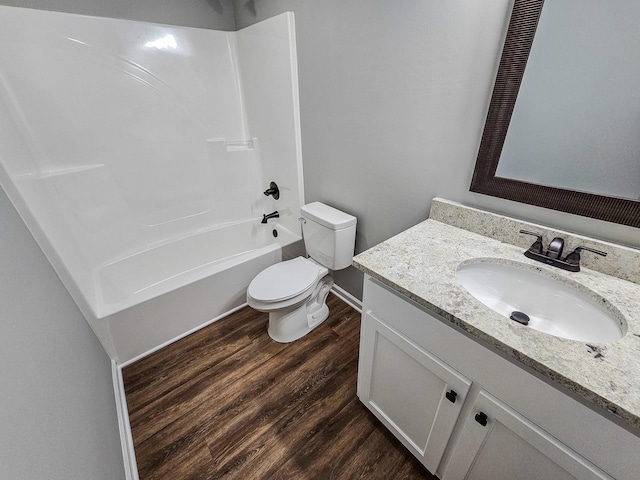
x: 270, y: 215
x: 273, y: 190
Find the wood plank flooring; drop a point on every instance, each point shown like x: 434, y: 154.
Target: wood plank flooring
x: 229, y: 402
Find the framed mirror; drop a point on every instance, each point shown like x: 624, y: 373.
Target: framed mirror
x: 595, y: 202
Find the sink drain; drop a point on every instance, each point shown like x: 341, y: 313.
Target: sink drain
x: 520, y: 317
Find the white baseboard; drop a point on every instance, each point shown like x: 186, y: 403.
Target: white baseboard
x: 347, y: 298
x: 126, y: 439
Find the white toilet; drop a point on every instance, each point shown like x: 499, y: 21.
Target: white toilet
x: 294, y: 291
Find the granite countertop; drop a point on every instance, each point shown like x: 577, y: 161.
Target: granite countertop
x: 421, y: 264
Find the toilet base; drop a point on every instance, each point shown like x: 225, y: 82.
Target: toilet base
x: 290, y: 324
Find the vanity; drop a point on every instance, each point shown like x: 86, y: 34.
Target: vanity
x: 473, y: 394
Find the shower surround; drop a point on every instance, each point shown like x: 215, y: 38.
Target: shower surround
x: 137, y: 154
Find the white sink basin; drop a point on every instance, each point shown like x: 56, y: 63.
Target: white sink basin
x: 552, y: 306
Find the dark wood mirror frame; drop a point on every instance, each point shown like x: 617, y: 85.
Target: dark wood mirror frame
x: 522, y: 28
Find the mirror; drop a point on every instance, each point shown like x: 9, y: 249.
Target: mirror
x: 516, y: 142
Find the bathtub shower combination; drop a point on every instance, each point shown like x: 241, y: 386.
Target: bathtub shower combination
x: 137, y: 154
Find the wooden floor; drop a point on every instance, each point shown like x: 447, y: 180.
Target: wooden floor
x: 228, y: 402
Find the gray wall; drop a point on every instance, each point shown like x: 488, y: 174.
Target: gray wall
x: 216, y: 14
x: 57, y: 406
x: 393, y: 97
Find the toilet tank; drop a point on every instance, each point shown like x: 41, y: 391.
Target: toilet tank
x: 329, y: 235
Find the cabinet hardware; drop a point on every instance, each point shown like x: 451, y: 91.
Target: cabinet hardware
x: 481, y: 418
x: 451, y: 396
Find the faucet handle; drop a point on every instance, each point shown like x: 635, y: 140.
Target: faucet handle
x: 273, y: 190
x: 574, y: 257
x: 537, y: 245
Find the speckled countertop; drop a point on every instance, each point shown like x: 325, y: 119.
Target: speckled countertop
x: 421, y: 264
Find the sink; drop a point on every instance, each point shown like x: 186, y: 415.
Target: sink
x: 551, y: 306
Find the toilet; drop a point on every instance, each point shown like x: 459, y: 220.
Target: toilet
x: 294, y: 292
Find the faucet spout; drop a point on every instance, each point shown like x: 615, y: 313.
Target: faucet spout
x: 555, y: 248
x: 266, y: 217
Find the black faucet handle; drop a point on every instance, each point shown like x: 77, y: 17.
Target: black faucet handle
x: 537, y: 245
x: 574, y: 257
x: 273, y: 190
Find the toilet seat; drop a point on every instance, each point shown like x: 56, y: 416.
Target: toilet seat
x: 294, y: 292
x: 285, y: 280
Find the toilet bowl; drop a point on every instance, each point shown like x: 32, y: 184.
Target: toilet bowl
x: 294, y: 292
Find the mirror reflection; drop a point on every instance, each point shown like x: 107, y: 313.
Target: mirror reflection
x: 576, y: 120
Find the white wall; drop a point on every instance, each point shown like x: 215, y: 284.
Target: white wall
x: 393, y: 98
x: 57, y: 406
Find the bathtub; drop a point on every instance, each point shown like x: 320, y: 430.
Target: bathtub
x: 148, y: 299
x: 137, y: 155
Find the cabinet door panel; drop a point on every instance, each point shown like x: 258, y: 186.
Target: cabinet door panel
x: 407, y: 388
x: 510, y: 447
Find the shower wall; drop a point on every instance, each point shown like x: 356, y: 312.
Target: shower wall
x: 119, y: 136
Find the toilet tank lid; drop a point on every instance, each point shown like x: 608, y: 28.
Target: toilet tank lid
x: 328, y: 216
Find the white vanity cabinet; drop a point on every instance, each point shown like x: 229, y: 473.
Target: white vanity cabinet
x: 415, y: 395
x: 503, y: 422
x: 497, y: 443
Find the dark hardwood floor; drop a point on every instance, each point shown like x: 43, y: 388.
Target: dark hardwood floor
x: 228, y: 402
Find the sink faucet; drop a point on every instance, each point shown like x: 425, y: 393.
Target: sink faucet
x: 270, y: 215
x: 553, y: 254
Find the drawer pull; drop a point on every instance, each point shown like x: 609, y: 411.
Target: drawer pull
x: 481, y: 418
x: 451, y: 396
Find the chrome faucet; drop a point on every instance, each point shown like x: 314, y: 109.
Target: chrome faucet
x: 553, y: 254
x: 270, y: 215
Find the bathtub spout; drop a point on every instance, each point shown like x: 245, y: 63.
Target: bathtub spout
x: 270, y: 215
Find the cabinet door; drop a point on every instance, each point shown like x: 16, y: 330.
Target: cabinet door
x: 413, y: 393
x: 497, y: 443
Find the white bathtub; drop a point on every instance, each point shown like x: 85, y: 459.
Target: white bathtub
x: 146, y: 300
x: 138, y: 156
